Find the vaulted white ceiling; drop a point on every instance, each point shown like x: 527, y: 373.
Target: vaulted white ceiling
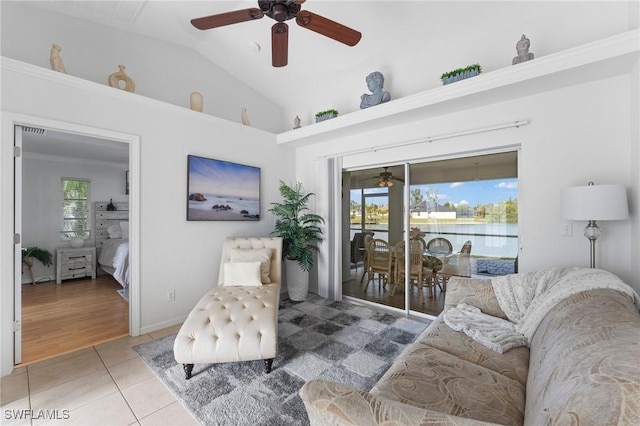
x: 411, y: 42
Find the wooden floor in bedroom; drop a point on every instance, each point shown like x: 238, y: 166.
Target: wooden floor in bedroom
x: 60, y: 318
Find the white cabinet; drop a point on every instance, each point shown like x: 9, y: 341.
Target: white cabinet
x: 75, y: 263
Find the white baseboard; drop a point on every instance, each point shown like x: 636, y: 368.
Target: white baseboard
x: 162, y: 325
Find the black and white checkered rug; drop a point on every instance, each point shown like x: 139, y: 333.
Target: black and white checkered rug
x: 318, y: 339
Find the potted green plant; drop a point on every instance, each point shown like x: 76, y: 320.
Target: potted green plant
x: 300, y: 231
x: 325, y: 115
x: 42, y: 255
x: 461, y: 73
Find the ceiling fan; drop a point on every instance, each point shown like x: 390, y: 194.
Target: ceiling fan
x: 280, y: 11
x: 386, y: 178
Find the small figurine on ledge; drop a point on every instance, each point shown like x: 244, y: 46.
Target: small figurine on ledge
x: 375, y: 81
x: 245, y: 117
x: 55, y: 60
x: 522, y: 47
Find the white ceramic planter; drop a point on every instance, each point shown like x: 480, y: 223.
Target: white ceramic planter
x: 297, y: 280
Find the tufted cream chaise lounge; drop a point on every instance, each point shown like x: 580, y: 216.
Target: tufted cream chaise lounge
x: 234, y: 323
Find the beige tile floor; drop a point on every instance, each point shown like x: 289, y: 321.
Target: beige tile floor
x: 106, y: 384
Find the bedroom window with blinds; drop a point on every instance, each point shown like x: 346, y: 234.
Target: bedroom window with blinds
x: 75, y: 208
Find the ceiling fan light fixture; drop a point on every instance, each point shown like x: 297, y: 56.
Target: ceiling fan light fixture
x: 280, y: 11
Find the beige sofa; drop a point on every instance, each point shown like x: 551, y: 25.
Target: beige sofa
x: 582, y: 368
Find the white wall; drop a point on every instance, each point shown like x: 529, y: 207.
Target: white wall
x: 42, y: 197
x: 576, y: 134
x: 160, y: 70
x: 174, y: 254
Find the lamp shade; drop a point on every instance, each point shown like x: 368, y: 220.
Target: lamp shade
x: 595, y: 202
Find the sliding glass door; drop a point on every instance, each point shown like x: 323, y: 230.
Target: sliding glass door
x: 375, y: 216
x: 463, y: 216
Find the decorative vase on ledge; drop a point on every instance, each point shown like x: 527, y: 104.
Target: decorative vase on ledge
x: 196, y: 101
x: 120, y: 76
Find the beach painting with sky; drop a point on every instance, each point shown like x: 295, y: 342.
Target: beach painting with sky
x: 220, y: 190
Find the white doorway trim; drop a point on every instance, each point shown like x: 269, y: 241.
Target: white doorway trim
x: 9, y: 121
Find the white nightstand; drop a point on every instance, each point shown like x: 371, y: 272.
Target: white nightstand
x: 75, y: 263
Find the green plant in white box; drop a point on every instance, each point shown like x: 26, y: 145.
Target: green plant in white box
x: 325, y: 115
x: 460, y: 73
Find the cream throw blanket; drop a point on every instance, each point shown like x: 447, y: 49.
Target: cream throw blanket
x: 526, y: 299
x: 495, y: 333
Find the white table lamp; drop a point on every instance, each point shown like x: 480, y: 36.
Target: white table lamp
x: 591, y: 203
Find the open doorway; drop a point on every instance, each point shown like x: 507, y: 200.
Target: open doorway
x: 53, y: 156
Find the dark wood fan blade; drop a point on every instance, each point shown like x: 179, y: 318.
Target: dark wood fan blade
x: 222, y: 19
x: 279, y: 44
x: 328, y: 28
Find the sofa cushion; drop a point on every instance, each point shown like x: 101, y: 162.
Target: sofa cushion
x: 431, y: 379
x: 476, y: 292
x: 585, y: 367
x: 330, y: 403
x: 513, y: 364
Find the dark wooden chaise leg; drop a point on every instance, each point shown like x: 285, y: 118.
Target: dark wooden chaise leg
x: 267, y: 364
x: 188, y: 368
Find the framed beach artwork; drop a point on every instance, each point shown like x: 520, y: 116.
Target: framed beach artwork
x: 221, y: 190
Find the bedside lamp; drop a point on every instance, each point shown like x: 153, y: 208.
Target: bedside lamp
x: 592, y: 203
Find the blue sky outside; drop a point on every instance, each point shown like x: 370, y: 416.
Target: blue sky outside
x: 469, y: 193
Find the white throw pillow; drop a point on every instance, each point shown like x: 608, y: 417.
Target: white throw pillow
x: 245, y: 274
x: 124, y: 226
x: 262, y: 255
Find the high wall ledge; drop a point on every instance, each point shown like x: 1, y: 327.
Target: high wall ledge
x: 604, y: 58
